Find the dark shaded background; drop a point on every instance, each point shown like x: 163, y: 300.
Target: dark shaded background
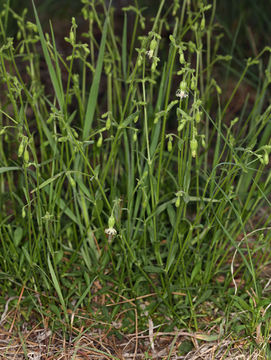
x: 247, y: 20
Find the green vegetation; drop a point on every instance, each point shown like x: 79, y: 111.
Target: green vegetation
x: 125, y: 174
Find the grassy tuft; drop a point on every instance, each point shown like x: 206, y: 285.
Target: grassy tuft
x: 131, y: 188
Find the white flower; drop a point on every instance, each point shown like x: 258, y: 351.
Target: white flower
x: 150, y: 53
x: 181, y: 94
x: 111, y: 231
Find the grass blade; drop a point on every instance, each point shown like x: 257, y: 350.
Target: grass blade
x: 57, y: 288
x: 92, y: 99
x: 53, y: 75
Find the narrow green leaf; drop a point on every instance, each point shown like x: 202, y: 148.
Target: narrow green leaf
x: 92, y: 99
x: 8, y: 168
x: 124, y: 47
x: 47, y: 182
x: 49, y: 63
x: 57, y: 287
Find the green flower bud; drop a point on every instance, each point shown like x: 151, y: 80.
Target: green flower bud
x: 23, y: 213
x: 142, y: 23
x: 181, y: 126
x: 21, y: 49
x: 234, y: 121
x: 72, y: 37
x: 108, y: 123
x: 178, y: 202
x: 265, y: 158
x: 62, y: 139
x: 193, y: 84
x: 169, y: 146
x: 139, y: 61
x: 198, y: 116
x: 135, y: 136
x: 195, y: 26
x: 182, y: 59
x: 111, y: 222
x: 21, y: 148
x: 100, y: 141
x: 154, y: 64
x: 26, y: 156
x: 202, y: 24
x: 218, y: 89
x: 136, y: 119
x: 191, y: 46
x: 193, y: 147
x: 183, y: 85
x: 153, y: 44
x: 175, y: 7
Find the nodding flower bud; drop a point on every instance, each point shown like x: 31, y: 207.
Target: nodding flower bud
x: 202, y: 24
x: 100, y: 141
x: 218, y: 89
x: 178, y: 202
x: 111, y: 222
x: 265, y: 158
x: 26, y: 156
x: 181, y: 57
x: 198, y: 116
x: 183, y: 85
x: 108, y: 123
x: 139, y: 60
x: 135, y: 136
x: 154, y: 63
x: 193, y: 147
x: 181, y: 126
x: 21, y: 148
x: 175, y: 7
x: 153, y: 44
x: 193, y: 84
x: 169, y: 146
x: 72, y: 37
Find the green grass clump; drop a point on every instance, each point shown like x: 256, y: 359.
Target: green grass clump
x: 124, y: 174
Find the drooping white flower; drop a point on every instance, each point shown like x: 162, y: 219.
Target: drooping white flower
x: 181, y: 94
x: 150, y: 53
x: 111, y: 231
